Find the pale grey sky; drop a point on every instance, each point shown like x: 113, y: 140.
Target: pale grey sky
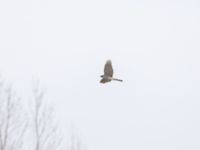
x: 154, y: 46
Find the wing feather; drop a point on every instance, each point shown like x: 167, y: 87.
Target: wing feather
x: 104, y: 80
x: 108, y: 70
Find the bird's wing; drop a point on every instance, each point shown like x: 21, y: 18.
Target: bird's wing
x: 104, y: 80
x: 108, y: 70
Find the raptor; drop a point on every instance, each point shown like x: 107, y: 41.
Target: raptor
x: 108, y: 73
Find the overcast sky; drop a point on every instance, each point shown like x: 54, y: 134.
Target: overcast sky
x: 154, y: 46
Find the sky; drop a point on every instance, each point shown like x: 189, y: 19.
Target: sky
x: 154, y: 47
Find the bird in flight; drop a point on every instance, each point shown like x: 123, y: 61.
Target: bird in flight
x: 108, y: 73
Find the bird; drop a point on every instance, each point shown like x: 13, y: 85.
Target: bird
x: 108, y: 73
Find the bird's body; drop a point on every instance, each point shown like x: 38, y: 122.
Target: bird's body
x: 108, y: 73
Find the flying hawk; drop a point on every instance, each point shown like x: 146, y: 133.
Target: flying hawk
x: 108, y: 73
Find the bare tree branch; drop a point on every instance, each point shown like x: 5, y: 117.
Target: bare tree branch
x: 12, y: 128
x: 46, y: 131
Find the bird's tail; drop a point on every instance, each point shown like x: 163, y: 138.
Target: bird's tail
x: 117, y: 79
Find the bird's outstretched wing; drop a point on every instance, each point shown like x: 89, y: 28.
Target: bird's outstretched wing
x: 104, y: 80
x: 108, y: 70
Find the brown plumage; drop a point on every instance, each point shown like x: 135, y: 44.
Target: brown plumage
x: 108, y: 73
